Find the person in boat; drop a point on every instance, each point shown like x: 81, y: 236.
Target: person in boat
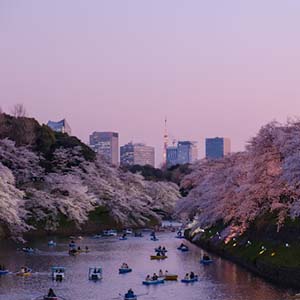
x: 158, y: 253
x: 187, y: 276
x: 160, y: 274
x: 206, y: 257
x: 148, y: 278
x: 164, y: 249
x: 51, y: 293
x: 130, y: 294
x: 192, y: 275
x: 154, y: 277
x: 159, y: 248
x: 179, y: 233
x: 124, y: 236
x: 166, y: 273
x: 124, y: 266
x: 182, y: 245
x: 86, y: 248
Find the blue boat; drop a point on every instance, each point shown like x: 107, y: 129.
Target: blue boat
x: 190, y: 280
x: 154, y: 239
x: 51, y: 244
x: 3, y: 272
x: 206, y: 261
x: 183, y: 249
x: 123, y: 238
x: 153, y: 282
x: 124, y: 270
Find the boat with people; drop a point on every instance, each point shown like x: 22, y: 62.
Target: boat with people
x: 138, y: 234
x: 110, y: 232
x: 123, y: 237
x: 130, y: 295
x: 24, y: 272
x: 206, y: 260
x: 58, y: 273
x: 179, y: 235
x: 97, y: 236
x: 28, y: 250
x: 125, y: 269
x: 189, y: 278
x: 95, y: 273
x: 3, y: 272
x: 50, y: 296
x: 128, y: 231
x: 73, y: 252
x: 183, y: 248
x: 154, y: 282
x: 51, y: 243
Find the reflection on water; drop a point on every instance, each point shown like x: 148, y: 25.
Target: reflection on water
x: 220, y: 281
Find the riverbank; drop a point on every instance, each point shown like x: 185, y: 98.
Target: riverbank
x: 274, y: 259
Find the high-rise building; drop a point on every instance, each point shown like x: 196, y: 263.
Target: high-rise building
x: 106, y: 144
x: 60, y: 126
x: 172, y: 156
x: 185, y: 153
x: 137, y: 154
x: 218, y: 147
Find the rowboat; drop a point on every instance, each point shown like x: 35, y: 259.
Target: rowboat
x: 124, y: 270
x: 190, y: 280
x: 158, y: 257
x: 206, y: 261
x: 153, y: 282
x: 95, y: 273
x: 3, y: 272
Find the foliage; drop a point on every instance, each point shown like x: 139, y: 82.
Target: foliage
x: 240, y: 187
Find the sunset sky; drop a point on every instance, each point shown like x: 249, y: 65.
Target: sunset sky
x: 214, y: 68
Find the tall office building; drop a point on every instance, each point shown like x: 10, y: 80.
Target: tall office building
x: 60, y: 126
x: 106, y: 144
x: 218, y: 147
x: 186, y: 152
x: 172, y: 156
x: 137, y: 154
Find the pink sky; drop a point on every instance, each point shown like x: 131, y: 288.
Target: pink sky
x: 215, y: 68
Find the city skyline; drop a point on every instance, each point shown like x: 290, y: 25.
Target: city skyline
x: 210, y: 68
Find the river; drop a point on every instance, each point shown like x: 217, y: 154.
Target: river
x: 222, y: 280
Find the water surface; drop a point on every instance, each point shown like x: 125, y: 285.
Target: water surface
x: 222, y: 280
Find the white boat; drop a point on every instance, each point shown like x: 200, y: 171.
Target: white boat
x: 110, y: 232
x: 95, y: 273
x: 58, y: 273
x: 128, y: 231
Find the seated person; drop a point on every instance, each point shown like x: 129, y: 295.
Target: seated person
x: 192, y: 275
x: 160, y: 274
x: 148, y: 278
x: 154, y: 277
x: 130, y: 293
x: 187, y: 276
x: 51, y: 293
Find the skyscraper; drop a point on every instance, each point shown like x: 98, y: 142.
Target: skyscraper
x: 172, y: 156
x: 218, y: 147
x: 137, y: 154
x: 60, y: 126
x: 106, y: 144
x: 185, y: 153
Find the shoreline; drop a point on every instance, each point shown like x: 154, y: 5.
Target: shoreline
x: 281, y: 277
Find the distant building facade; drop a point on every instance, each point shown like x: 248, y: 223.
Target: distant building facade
x: 186, y: 152
x: 137, y: 154
x: 106, y: 144
x: 60, y: 126
x: 172, y: 156
x: 216, y: 148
